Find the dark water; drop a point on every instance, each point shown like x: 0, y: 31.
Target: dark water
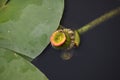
x: 98, y: 57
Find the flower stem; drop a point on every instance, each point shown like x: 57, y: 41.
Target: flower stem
x: 89, y: 26
x: 99, y: 20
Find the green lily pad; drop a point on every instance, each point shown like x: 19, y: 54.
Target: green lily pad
x: 14, y: 67
x: 26, y: 25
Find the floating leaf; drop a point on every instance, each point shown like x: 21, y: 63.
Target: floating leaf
x: 26, y: 25
x: 14, y: 67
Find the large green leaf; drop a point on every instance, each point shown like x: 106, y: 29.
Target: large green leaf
x: 14, y: 67
x: 26, y: 25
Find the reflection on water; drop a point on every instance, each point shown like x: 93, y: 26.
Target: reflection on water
x: 67, y: 54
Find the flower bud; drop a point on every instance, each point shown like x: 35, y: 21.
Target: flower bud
x: 65, y: 39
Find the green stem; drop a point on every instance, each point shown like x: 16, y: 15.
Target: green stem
x: 99, y: 20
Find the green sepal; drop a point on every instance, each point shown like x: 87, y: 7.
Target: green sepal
x: 77, y: 38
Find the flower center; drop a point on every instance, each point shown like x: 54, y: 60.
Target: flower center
x: 58, y: 38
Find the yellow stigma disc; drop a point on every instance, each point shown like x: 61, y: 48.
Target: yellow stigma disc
x: 58, y: 38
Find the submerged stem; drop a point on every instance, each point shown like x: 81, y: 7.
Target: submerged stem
x: 99, y: 20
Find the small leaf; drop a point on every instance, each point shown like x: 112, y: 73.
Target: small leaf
x: 14, y: 67
x: 26, y: 25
